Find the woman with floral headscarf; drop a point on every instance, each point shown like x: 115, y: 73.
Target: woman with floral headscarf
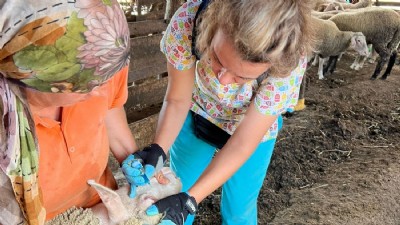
x: 63, y: 79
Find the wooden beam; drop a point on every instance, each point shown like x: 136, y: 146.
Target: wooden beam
x: 387, y: 3
x: 171, y: 7
x: 149, y: 2
x: 144, y: 28
x: 144, y: 130
x: 155, y: 15
x: 151, y: 92
x: 146, y: 58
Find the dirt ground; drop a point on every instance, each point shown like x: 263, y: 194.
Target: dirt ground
x: 337, y: 161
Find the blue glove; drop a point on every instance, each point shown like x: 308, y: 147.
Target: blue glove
x: 175, y: 208
x: 139, y: 167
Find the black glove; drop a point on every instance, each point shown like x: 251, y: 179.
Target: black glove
x: 139, y: 167
x: 175, y: 208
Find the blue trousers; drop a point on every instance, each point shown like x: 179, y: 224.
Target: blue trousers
x: 190, y: 156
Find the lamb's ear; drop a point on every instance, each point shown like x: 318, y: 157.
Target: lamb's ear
x: 116, y: 210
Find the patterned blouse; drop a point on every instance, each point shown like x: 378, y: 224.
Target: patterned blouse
x: 225, y: 105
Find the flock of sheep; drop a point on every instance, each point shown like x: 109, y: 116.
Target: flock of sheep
x: 339, y: 26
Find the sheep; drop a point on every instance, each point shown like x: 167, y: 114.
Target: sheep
x: 358, y: 5
x: 118, y: 208
x: 330, y: 41
x: 334, y: 6
x: 381, y: 28
x: 325, y: 15
x: 319, y: 5
x: 357, y: 64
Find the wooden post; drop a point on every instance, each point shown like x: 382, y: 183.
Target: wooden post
x: 172, y: 6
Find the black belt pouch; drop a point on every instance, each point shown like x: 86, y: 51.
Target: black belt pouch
x: 209, y: 132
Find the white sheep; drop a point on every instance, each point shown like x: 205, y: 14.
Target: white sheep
x: 381, y: 28
x: 320, y: 5
x: 330, y: 41
x: 358, y: 5
x: 360, y: 60
x: 325, y: 14
x: 333, y: 8
x: 116, y: 206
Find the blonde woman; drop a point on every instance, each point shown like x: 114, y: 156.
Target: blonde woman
x: 222, y: 113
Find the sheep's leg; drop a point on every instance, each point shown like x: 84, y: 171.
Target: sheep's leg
x: 355, y: 63
x: 384, y: 54
x: 390, y: 65
x: 321, y: 67
x: 332, y: 65
x: 361, y: 64
x: 340, y: 56
x: 315, y: 61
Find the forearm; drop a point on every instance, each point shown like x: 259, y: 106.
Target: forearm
x: 175, y: 107
x: 122, y: 142
x: 170, y: 121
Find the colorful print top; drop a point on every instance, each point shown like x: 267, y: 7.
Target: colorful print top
x: 225, y: 105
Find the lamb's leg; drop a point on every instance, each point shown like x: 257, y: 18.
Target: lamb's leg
x: 315, y: 61
x: 355, y: 63
x: 340, y: 56
x: 361, y: 63
x: 390, y: 65
x: 384, y: 54
x: 321, y: 67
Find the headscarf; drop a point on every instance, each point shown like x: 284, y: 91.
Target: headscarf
x: 52, y: 46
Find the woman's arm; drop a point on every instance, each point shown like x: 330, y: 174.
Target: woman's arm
x: 234, y: 154
x: 176, y: 105
x: 122, y: 142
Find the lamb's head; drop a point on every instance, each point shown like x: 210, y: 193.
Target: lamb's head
x: 359, y: 44
x: 118, y: 207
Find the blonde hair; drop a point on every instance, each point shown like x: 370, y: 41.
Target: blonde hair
x: 273, y: 31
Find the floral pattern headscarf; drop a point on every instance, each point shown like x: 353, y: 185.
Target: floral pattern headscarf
x: 57, y: 46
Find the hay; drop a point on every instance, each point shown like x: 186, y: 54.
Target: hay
x: 75, y: 216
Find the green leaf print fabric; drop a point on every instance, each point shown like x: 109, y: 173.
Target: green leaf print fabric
x: 52, y: 46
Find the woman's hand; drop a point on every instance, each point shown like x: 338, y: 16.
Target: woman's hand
x: 141, y: 166
x: 175, y: 208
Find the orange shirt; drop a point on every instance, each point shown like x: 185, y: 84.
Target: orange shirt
x: 77, y: 148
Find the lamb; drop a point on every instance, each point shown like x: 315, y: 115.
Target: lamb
x: 357, y: 64
x: 334, y: 8
x: 327, y: 14
x: 358, y: 5
x: 319, y: 5
x: 118, y: 208
x: 331, y: 42
x: 381, y: 28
